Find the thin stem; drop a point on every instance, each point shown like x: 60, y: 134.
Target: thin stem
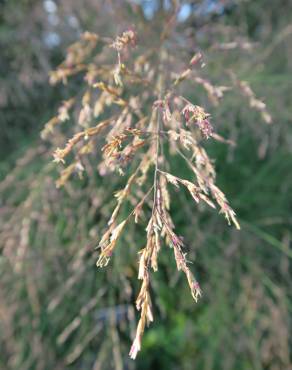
x: 190, y: 164
x: 156, y: 161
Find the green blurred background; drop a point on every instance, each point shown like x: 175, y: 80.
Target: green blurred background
x: 57, y: 310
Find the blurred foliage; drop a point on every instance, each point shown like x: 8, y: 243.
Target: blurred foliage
x: 56, y: 309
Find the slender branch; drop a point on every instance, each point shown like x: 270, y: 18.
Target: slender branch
x: 156, y: 162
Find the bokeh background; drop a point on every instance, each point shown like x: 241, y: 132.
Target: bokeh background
x: 57, y: 310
